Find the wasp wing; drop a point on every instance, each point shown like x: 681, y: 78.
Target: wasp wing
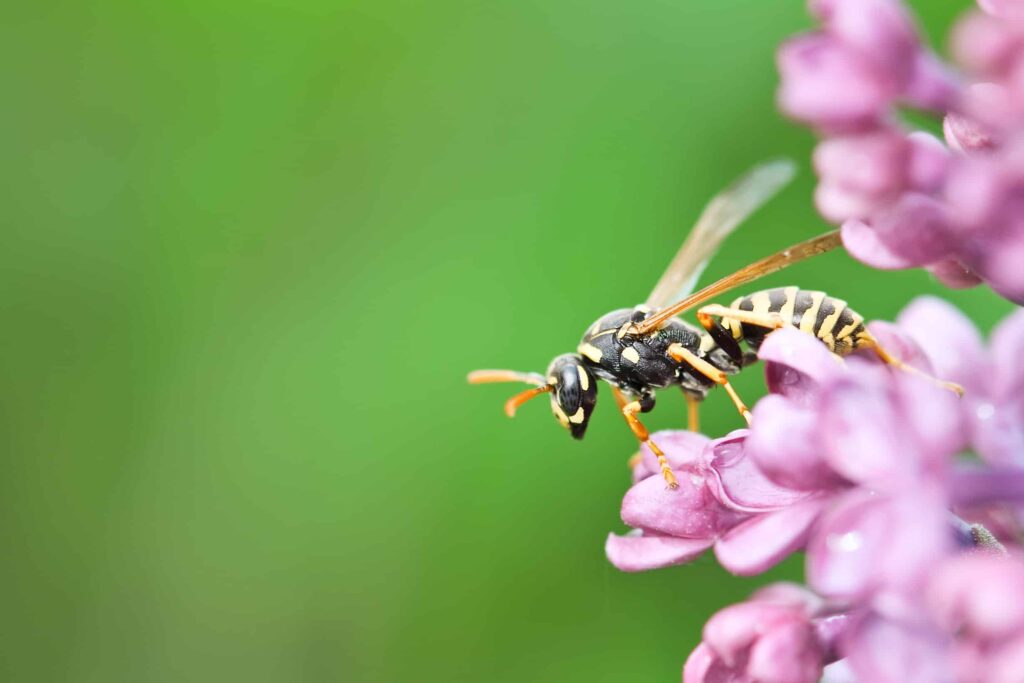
x: 722, y: 215
x: 769, y: 264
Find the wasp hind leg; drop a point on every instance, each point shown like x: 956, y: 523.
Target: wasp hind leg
x: 706, y: 316
x: 865, y: 340
x: 682, y: 354
x: 629, y: 411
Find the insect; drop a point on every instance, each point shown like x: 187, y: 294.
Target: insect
x: 641, y: 349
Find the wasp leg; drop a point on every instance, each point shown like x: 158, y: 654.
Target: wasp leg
x: 772, y: 321
x: 682, y: 354
x: 724, y: 339
x: 865, y: 340
x: 629, y: 411
x: 692, y: 413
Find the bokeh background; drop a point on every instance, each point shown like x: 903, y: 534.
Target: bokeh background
x: 250, y: 251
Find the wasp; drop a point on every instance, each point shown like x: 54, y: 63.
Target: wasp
x: 641, y: 349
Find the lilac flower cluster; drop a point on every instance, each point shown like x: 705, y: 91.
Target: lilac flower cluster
x: 903, y: 198
x: 861, y: 466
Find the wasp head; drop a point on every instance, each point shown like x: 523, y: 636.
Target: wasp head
x: 574, y: 393
x: 572, y: 386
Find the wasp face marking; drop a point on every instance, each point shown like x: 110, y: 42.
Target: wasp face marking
x: 584, y: 378
x: 574, y: 395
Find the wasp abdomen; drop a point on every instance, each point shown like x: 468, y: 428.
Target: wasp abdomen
x: 827, y: 318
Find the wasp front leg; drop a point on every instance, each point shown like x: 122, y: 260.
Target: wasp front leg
x: 629, y: 410
x: 681, y: 354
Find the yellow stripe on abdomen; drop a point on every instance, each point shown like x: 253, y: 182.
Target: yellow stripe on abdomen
x: 825, y: 330
x: 810, y: 316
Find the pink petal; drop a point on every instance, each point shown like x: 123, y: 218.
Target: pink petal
x: 958, y: 354
x: 881, y: 651
x: 1001, y: 269
x: 869, y: 542
x: 841, y: 557
x: 837, y: 204
x: 1007, y: 353
x: 916, y: 227
x: 934, y: 416
x: 762, y: 542
x: 838, y: 672
x: 684, y: 450
x: 998, y: 431
x: 792, y: 594
x: 993, y: 104
x: 637, y: 553
x: 862, y: 242
x: 982, y: 44
x: 900, y: 344
x: 982, y: 594
x: 872, y: 163
x: 965, y: 135
x: 929, y: 162
x: 787, y: 653
x: 689, y: 511
x: 814, y: 365
x: 740, y: 485
x: 975, y: 192
x: 1003, y: 9
x: 784, y: 443
x: 697, y: 665
x: 878, y: 29
x: 703, y: 666
x: 829, y: 85
x: 954, y: 274
x: 735, y: 628
x: 933, y: 85
x: 865, y: 441
x: 1006, y: 663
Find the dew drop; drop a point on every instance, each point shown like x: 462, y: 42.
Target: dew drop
x: 849, y: 542
x: 985, y: 411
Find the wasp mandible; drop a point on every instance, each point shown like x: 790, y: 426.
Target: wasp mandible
x: 638, y: 350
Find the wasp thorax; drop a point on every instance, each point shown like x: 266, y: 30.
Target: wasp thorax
x: 574, y: 394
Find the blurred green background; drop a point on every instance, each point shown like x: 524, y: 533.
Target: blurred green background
x: 250, y: 251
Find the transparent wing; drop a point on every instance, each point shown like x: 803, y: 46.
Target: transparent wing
x: 757, y: 269
x: 720, y: 218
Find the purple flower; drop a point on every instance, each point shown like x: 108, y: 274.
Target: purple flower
x: 877, y: 445
x: 722, y: 501
x: 846, y: 77
x: 778, y: 636
x: 993, y: 404
x: 832, y: 425
x: 904, y: 199
x: 968, y: 627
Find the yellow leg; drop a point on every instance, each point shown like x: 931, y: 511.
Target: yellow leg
x: 865, y: 340
x: 682, y: 354
x: 629, y: 411
x: 692, y: 413
x: 772, y: 321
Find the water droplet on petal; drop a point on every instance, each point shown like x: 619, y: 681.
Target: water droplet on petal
x: 985, y: 411
x: 849, y: 542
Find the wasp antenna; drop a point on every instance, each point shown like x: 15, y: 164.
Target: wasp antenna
x: 486, y: 376
x: 521, y: 398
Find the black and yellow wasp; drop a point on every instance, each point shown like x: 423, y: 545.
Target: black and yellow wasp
x: 638, y: 350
